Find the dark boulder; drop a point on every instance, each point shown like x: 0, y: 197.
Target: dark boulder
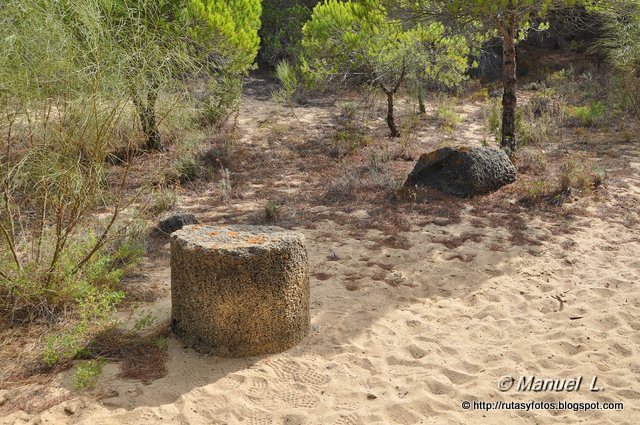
x: 463, y: 172
x: 176, y: 222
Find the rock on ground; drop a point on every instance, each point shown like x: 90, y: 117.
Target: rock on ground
x: 176, y: 222
x: 463, y: 172
x: 239, y: 291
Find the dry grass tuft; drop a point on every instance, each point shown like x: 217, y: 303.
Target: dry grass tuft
x: 457, y: 241
x: 142, y: 357
x: 322, y: 276
x: 465, y: 258
x: 383, y: 266
x: 395, y: 241
x: 33, y: 399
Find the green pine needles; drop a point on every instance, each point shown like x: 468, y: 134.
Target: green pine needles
x: 361, y: 42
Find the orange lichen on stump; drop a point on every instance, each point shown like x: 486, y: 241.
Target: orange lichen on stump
x: 256, y: 240
x: 239, y: 296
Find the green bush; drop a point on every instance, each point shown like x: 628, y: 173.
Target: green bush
x: 363, y: 42
x: 287, y: 75
x: 69, y: 224
x: 621, y: 46
x: 281, y: 30
x: 536, y: 190
x: 588, y: 116
x: 448, y: 118
x: 494, y: 118
x: 187, y: 168
x: 163, y: 200
x: 87, y: 374
x: 348, y: 139
x: 271, y: 212
x: 558, y: 78
x: 93, y: 294
x: 581, y: 176
x: 221, y: 101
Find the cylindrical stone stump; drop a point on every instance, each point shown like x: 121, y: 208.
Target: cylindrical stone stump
x: 239, y: 291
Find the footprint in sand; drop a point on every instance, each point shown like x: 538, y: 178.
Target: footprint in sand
x: 415, y: 326
x: 191, y: 372
x: 415, y: 351
x: 232, y: 381
x: 350, y: 419
x: 608, y: 323
x: 621, y: 350
x: 258, y: 389
x: 299, y: 372
x: 294, y: 420
x: 437, y: 387
x: 397, y: 361
x: 257, y: 417
x: 282, y: 368
x: 457, y: 378
x: 296, y: 398
x: 307, y: 375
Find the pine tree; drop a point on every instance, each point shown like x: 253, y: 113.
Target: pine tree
x: 512, y: 19
x: 226, y: 31
x: 180, y: 39
x: 359, y: 41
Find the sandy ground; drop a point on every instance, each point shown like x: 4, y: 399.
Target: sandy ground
x: 404, y: 336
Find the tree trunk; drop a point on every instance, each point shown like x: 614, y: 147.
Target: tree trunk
x: 147, y: 115
x: 391, y: 122
x: 390, y: 118
x: 509, y: 100
x: 421, y: 108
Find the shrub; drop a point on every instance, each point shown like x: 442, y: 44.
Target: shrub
x: 448, y: 118
x: 187, y: 168
x: 348, y: 111
x: 281, y: 30
x: 494, y: 118
x: 348, y: 139
x: 580, y: 176
x: 221, y: 100
x: 531, y: 161
x: 558, y: 77
x: 87, y: 374
x: 408, y: 137
x: 271, y: 212
x: 52, y: 259
x: 536, y: 190
x: 480, y: 95
x: 64, y: 99
x: 572, y: 178
x: 224, y: 33
x: 588, y: 116
x: 364, y: 43
x: 620, y: 45
x: 287, y: 75
x: 163, y: 200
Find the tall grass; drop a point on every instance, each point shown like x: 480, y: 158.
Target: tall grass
x: 288, y: 77
x: 621, y: 46
x: 66, y: 101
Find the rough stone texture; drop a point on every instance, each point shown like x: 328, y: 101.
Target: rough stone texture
x: 176, y: 222
x: 239, y: 291
x: 463, y: 172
